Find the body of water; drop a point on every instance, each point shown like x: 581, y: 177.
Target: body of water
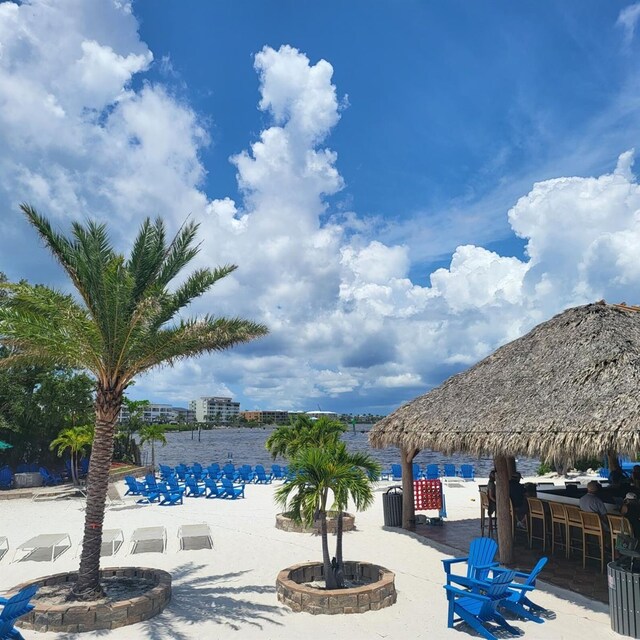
x: 246, y: 446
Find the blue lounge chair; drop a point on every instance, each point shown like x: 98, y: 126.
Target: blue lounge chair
x: 6, y: 478
x: 230, y: 490
x: 417, y: 472
x: 477, y: 605
x: 245, y: 474
x: 181, y: 471
x: 467, y: 472
x: 229, y: 472
x: 261, y: 476
x: 396, y: 472
x: 211, y: 489
x: 480, y: 560
x: 193, y: 489
x: 449, y: 470
x: 196, y: 467
x: 150, y: 481
x: 517, y: 601
x: 15, y: 607
x: 169, y: 496
x: 50, y: 479
x: 276, y: 472
x: 165, y: 471
x: 432, y: 472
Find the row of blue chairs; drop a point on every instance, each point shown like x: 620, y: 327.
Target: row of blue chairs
x: 171, y: 491
x: 245, y: 473
x: 49, y: 478
x: 432, y: 472
x: 479, y: 597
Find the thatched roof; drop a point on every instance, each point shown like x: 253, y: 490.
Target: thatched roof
x: 569, y: 388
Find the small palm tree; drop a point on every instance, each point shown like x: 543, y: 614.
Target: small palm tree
x: 76, y: 439
x: 124, y: 322
x: 153, y: 433
x: 288, y: 439
x: 321, y: 474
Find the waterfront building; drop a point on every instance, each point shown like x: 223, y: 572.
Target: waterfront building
x: 266, y: 417
x: 314, y: 415
x: 159, y: 414
x: 214, y: 409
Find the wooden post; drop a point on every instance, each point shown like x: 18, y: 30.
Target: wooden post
x: 614, y: 462
x: 511, y: 465
x: 408, y: 505
x: 503, y: 510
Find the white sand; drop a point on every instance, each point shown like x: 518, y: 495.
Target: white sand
x: 229, y: 592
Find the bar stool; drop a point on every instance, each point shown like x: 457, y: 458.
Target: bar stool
x: 485, y: 515
x: 617, y: 524
x: 559, y: 521
x: 536, y: 512
x: 592, y: 526
x: 574, y: 521
x: 514, y: 529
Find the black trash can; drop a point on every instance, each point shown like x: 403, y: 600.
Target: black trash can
x: 392, y: 507
x: 624, y: 598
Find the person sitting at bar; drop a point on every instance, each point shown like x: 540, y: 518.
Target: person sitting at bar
x: 520, y: 505
x: 618, y: 483
x: 631, y: 510
x: 592, y: 502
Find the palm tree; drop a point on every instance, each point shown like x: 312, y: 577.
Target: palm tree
x: 318, y: 474
x: 153, y: 433
x: 123, y: 324
x: 288, y: 439
x: 76, y: 439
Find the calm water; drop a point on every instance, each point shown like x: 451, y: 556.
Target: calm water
x: 246, y: 446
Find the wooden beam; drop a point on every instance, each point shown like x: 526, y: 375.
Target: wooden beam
x: 408, y: 504
x: 503, y: 510
x: 511, y: 464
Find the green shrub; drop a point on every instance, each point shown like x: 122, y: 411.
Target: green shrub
x: 544, y: 468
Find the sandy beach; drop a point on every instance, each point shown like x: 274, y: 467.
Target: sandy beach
x: 229, y: 592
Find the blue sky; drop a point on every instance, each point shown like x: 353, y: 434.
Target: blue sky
x: 405, y: 186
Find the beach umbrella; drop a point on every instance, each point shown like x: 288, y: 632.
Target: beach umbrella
x: 5, y: 445
x: 569, y: 388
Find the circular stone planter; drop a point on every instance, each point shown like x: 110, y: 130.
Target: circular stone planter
x: 285, y: 523
x: 294, y: 590
x: 74, y: 617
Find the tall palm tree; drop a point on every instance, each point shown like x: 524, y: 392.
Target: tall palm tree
x: 76, y: 439
x: 123, y: 324
x: 321, y: 474
x: 153, y: 433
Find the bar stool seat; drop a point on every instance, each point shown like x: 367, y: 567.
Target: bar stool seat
x: 574, y: 521
x: 617, y: 524
x: 536, y: 512
x: 592, y: 527
x: 560, y: 523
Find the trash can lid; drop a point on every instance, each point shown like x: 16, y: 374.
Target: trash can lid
x: 396, y: 489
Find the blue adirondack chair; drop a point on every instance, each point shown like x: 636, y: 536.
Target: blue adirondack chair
x: 467, y: 472
x: 15, y: 607
x: 417, y: 472
x: 229, y: 472
x: 477, y: 605
x: 276, y: 472
x: 169, y: 496
x: 24, y: 468
x: 165, y: 471
x: 396, y: 472
x: 134, y: 487
x: 245, y: 474
x: 84, y: 467
x: 6, y: 478
x: 214, y: 471
x: 261, y: 476
x: 432, y: 472
x: 150, y: 481
x: 480, y: 560
x: 449, y: 470
x: 50, y: 479
x: 211, y: 489
x: 517, y: 601
x: 193, y: 490
x: 230, y: 490
x: 181, y: 471
x: 196, y: 467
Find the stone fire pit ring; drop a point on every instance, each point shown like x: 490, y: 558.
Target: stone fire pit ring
x: 294, y: 589
x: 75, y: 617
x: 285, y: 523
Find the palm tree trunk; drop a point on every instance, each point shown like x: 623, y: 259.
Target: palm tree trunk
x: 108, y: 403
x: 339, y: 539
x: 329, y: 576
x: 74, y: 468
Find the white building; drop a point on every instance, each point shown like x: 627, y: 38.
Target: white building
x: 157, y: 413
x: 314, y: 415
x: 214, y: 409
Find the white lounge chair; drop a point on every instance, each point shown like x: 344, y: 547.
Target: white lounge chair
x: 4, y: 546
x: 45, y: 548
x: 112, y: 540
x: 194, y: 537
x: 149, y: 540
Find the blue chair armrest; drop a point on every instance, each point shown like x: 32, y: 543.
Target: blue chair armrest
x: 3, y: 600
x: 470, y: 594
x: 521, y: 587
x: 449, y: 561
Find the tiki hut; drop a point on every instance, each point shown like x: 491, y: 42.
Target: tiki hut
x: 569, y: 388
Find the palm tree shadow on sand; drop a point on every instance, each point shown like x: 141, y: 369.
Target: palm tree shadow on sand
x: 198, y: 598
